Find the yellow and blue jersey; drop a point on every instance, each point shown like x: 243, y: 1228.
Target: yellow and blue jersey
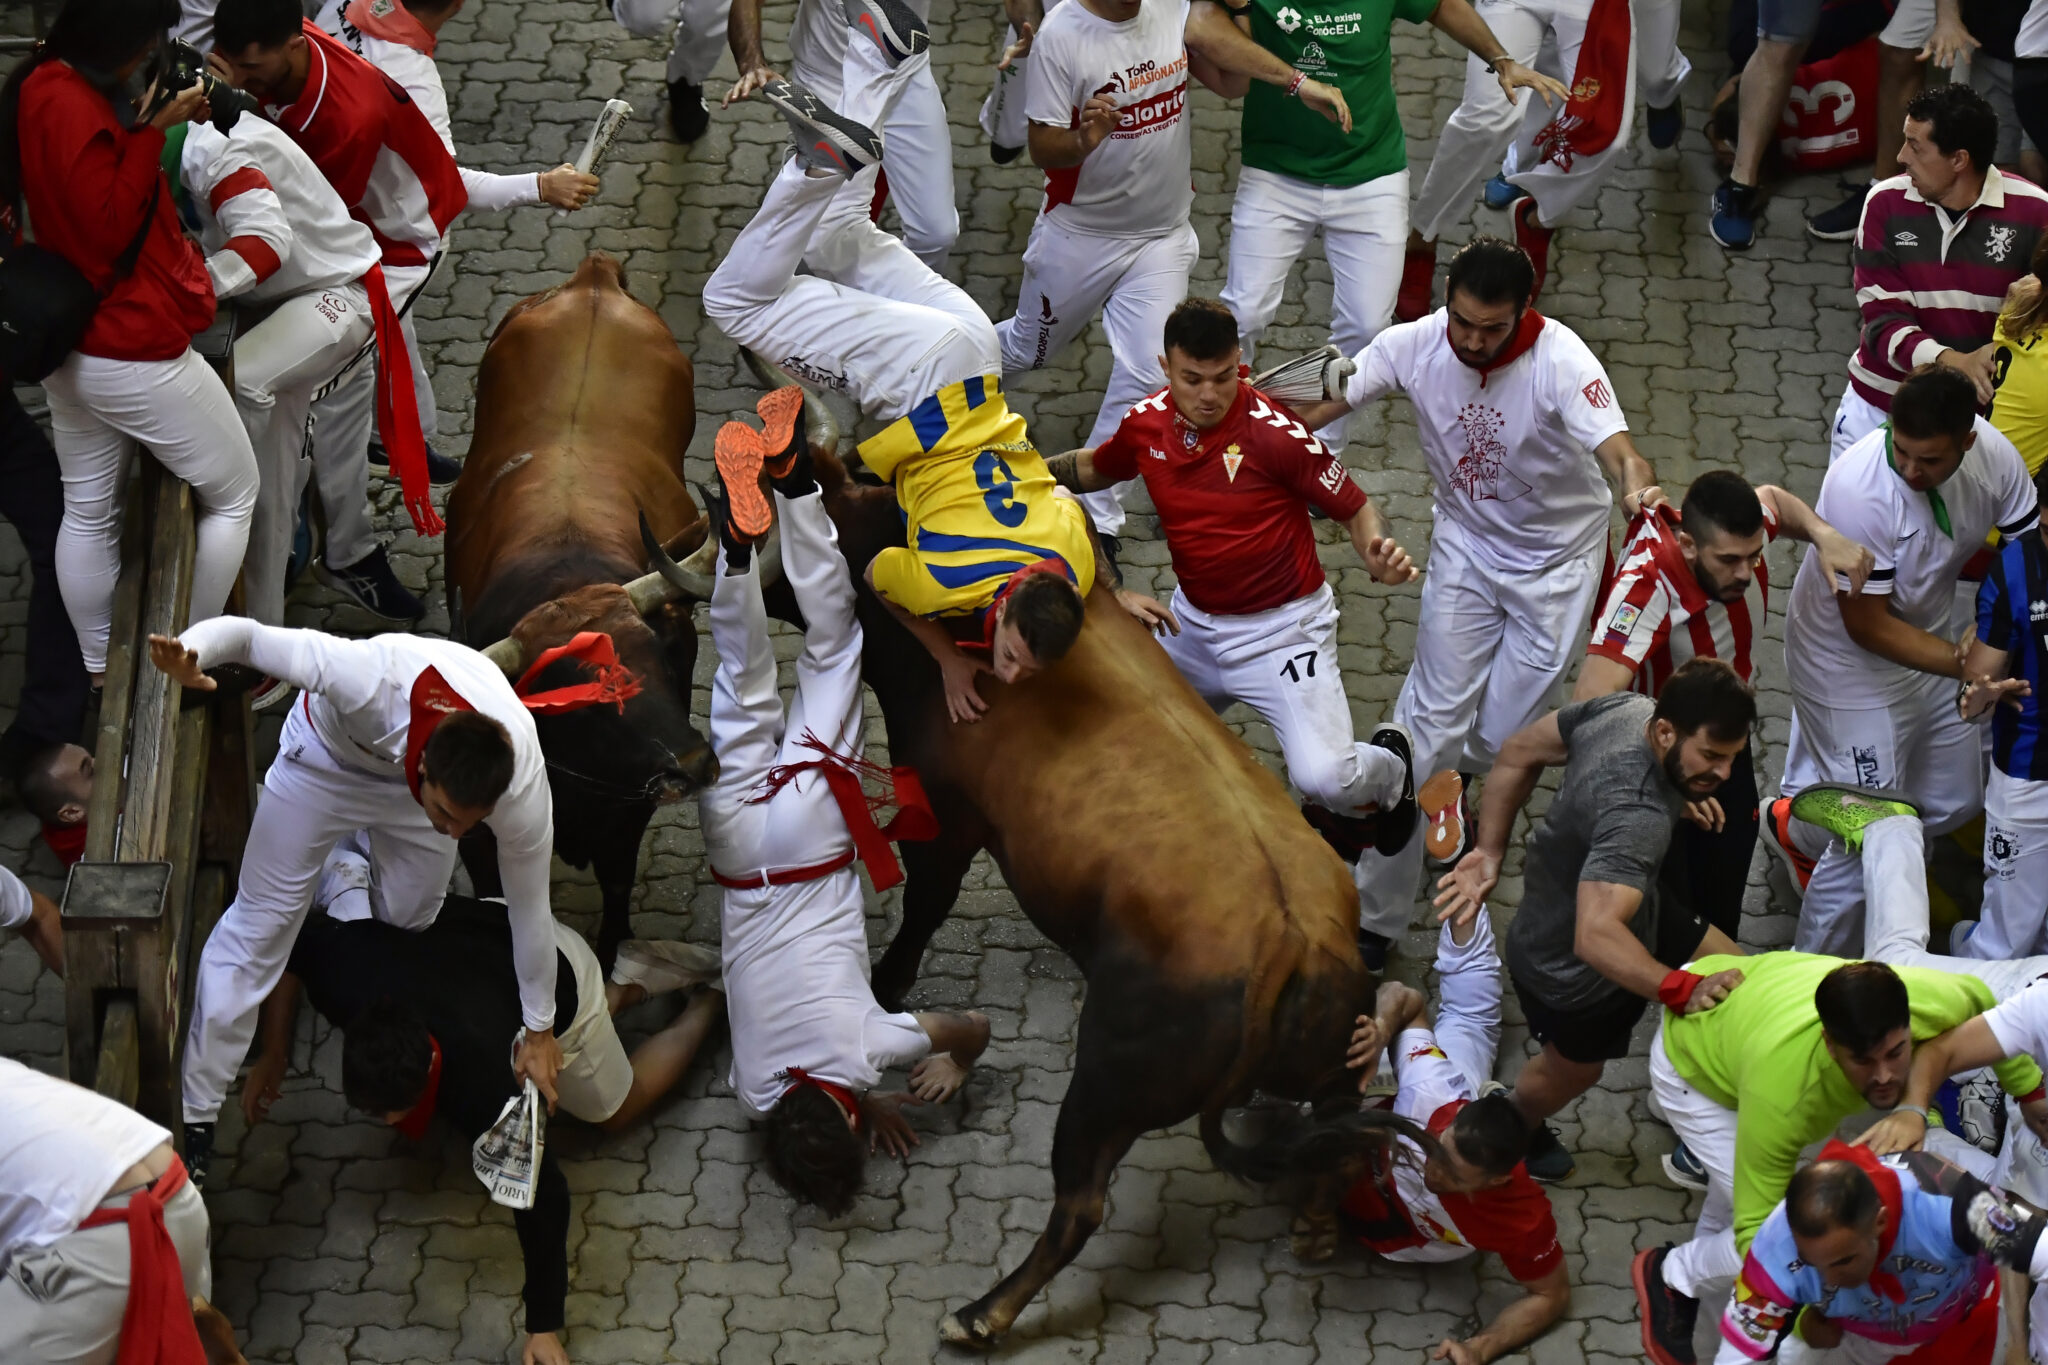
x: 2019, y: 404
x: 978, y: 503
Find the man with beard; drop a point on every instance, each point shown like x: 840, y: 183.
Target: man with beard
x: 1597, y: 936
x: 1693, y: 584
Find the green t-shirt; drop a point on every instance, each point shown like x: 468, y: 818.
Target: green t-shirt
x: 1345, y: 43
x: 1759, y: 1052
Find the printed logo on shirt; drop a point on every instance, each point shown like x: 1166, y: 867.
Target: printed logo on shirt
x: 2037, y: 611
x: 1905, y: 239
x: 1755, y: 1317
x: 1232, y: 458
x: 1999, y: 245
x: 1333, y: 476
x: 1046, y: 322
x: 1625, y: 617
x: 1313, y: 58
x: 1864, y: 756
x: 1427, y: 1050
x: 1482, y: 473
x: 1289, y: 18
x: 1149, y: 116
x: 1598, y: 394
x: 1156, y: 453
x: 2002, y: 851
x: 1143, y: 74
x: 802, y: 368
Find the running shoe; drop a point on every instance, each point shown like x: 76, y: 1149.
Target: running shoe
x: 1418, y: 282
x: 1668, y: 1316
x: 1533, y: 238
x: 1685, y: 1169
x: 1547, y: 1160
x: 891, y: 25
x: 1778, y: 829
x: 1372, y: 949
x: 1839, y: 223
x: 198, y: 1153
x: 824, y: 141
x: 371, y: 585
x: 740, y: 458
x: 442, y: 470
x: 1447, y: 818
x: 1664, y: 125
x: 782, y: 429
x: 1734, y: 216
x: 1846, y: 812
x: 1499, y: 193
x: 1396, y: 826
x: 658, y: 965
x: 688, y: 114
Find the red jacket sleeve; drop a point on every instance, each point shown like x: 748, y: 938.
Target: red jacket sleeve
x: 106, y: 173
x: 1117, y: 458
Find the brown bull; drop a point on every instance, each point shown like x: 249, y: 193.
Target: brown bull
x: 584, y: 407
x: 1215, y: 928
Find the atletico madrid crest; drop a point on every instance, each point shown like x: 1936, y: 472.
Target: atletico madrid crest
x: 1232, y: 458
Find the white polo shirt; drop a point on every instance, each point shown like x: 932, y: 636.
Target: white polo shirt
x: 1917, y: 562
x: 1510, y: 448
x: 16, y: 907
x: 62, y: 1148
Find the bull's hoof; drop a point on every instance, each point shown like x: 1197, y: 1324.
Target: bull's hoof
x: 974, y: 1335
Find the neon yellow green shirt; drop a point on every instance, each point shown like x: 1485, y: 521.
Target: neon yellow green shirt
x: 1759, y: 1052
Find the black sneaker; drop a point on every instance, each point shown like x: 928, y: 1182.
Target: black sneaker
x: 1396, y: 826
x: 824, y: 141
x: 198, y: 1152
x: 1373, y: 948
x: 441, y: 470
x: 1546, y: 1159
x: 1839, y: 223
x: 371, y: 585
x: 1668, y: 1316
x: 688, y: 114
x: 1664, y: 125
x: 1002, y: 155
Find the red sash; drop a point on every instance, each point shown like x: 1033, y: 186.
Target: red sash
x: 799, y: 1078
x: 1591, y: 118
x: 156, y: 1328
x: 843, y: 774
x: 414, y: 1124
x: 398, y: 413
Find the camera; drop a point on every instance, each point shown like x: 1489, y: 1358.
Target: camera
x: 177, y: 66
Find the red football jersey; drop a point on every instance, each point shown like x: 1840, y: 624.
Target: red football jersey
x: 1233, y: 500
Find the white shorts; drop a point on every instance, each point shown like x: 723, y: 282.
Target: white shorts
x: 1912, y: 24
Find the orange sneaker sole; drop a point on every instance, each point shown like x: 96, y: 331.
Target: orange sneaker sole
x: 740, y: 458
x: 1441, y: 818
x: 780, y: 412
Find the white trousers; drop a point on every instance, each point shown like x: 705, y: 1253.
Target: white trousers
x: 1485, y: 124
x: 699, y: 32
x: 310, y: 801
x: 1469, y: 990
x: 1493, y: 646
x: 2015, y: 869
x: 1133, y: 282
x: 750, y: 733
x: 344, y: 418
x: 1365, y: 234
x: 99, y: 410
x: 1895, y: 866
x: 63, y: 1304
x: 1708, y: 1132
x: 1002, y: 113
x: 917, y: 144
x: 1661, y: 67
x: 1283, y: 664
x: 1855, y: 418
x: 279, y: 364
x: 1920, y: 748
x: 872, y: 321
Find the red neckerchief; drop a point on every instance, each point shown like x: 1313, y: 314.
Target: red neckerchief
x: 1525, y: 336
x: 414, y: 1124
x: 611, y: 684
x: 156, y: 1327
x: 66, y: 841
x: 844, y: 1098
x: 391, y: 21
x: 843, y: 774
x: 990, y: 614
x: 1887, y: 1181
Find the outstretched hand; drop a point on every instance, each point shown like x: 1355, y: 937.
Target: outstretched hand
x: 1514, y: 76
x: 169, y: 654
x: 749, y: 82
x: 888, y: 1130
x: 1019, y: 50
x: 1462, y: 892
x: 937, y: 1078
x: 1151, y: 613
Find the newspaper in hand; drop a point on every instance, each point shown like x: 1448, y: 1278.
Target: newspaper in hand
x: 1309, y: 379
x: 506, y: 1157
x: 601, y: 134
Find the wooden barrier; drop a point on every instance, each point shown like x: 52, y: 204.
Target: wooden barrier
x: 172, y: 796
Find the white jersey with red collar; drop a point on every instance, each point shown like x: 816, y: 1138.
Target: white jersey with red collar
x: 1509, y: 447
x: 377, y: 148
x: 271, y: 225
x: 359, y: 698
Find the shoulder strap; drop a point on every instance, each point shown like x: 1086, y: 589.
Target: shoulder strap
x: 125, y: 264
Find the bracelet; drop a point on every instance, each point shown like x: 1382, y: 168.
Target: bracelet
x: 1294, y: 86
x: 1494, y: 62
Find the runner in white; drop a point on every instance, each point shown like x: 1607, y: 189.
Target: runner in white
x: 917, y: 165
x: 1517, y: 421
x: 277, y: 234
x: 1107, y: 99
x: 1002, y: 113
x: 699, y: 27
x: 1874, y: 676
x: 783, y: 826
x: 35, y: 917
x: 413, y: 742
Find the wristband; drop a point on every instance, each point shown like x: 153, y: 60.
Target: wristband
x: 1926, y: 1119
x: 1677, y: 988
x: 2039, y: 1092
x: 1495, y: 62
x: 1294, y: 86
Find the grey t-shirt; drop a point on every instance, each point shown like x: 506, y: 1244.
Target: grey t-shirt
x: 1611, y: 822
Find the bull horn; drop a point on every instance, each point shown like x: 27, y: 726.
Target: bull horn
x: 507, y: 655
x: 821, y: 424
x: 692, y: 579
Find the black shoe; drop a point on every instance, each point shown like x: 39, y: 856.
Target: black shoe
x: 1002, y: 155
x: 1373, y: 948
x: 371, y: 585
x: 1668, y: 1316
x: 198, y: 1152
x: 688, y: 115
x: 1839, y: 223
x: 1396, y: 826
x: 1664, y: 125
x: 1546, y: 1158
x: 441, y: 471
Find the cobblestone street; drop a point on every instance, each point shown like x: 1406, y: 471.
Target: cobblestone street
x: 338, y: 1240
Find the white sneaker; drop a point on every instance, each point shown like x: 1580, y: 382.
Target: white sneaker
x: 659, y: 965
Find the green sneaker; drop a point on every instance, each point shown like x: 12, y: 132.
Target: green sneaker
x: 1846, y: 812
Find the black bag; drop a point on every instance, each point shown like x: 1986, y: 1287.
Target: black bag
x: 46, y: 303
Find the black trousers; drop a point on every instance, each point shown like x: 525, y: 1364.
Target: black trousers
x: 1708, y: 872
x: 2030, y: 96
x: 53, y: 691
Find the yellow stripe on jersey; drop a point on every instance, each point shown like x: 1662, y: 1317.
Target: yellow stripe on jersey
x: 978, y: 503
x: 2019, y: 407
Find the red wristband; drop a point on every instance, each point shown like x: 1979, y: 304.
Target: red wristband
x: 2039, y: 1092
x: 1677, y: 988
x: 1294, y: 86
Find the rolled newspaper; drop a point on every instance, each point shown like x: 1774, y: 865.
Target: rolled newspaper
x: 602, y: 132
